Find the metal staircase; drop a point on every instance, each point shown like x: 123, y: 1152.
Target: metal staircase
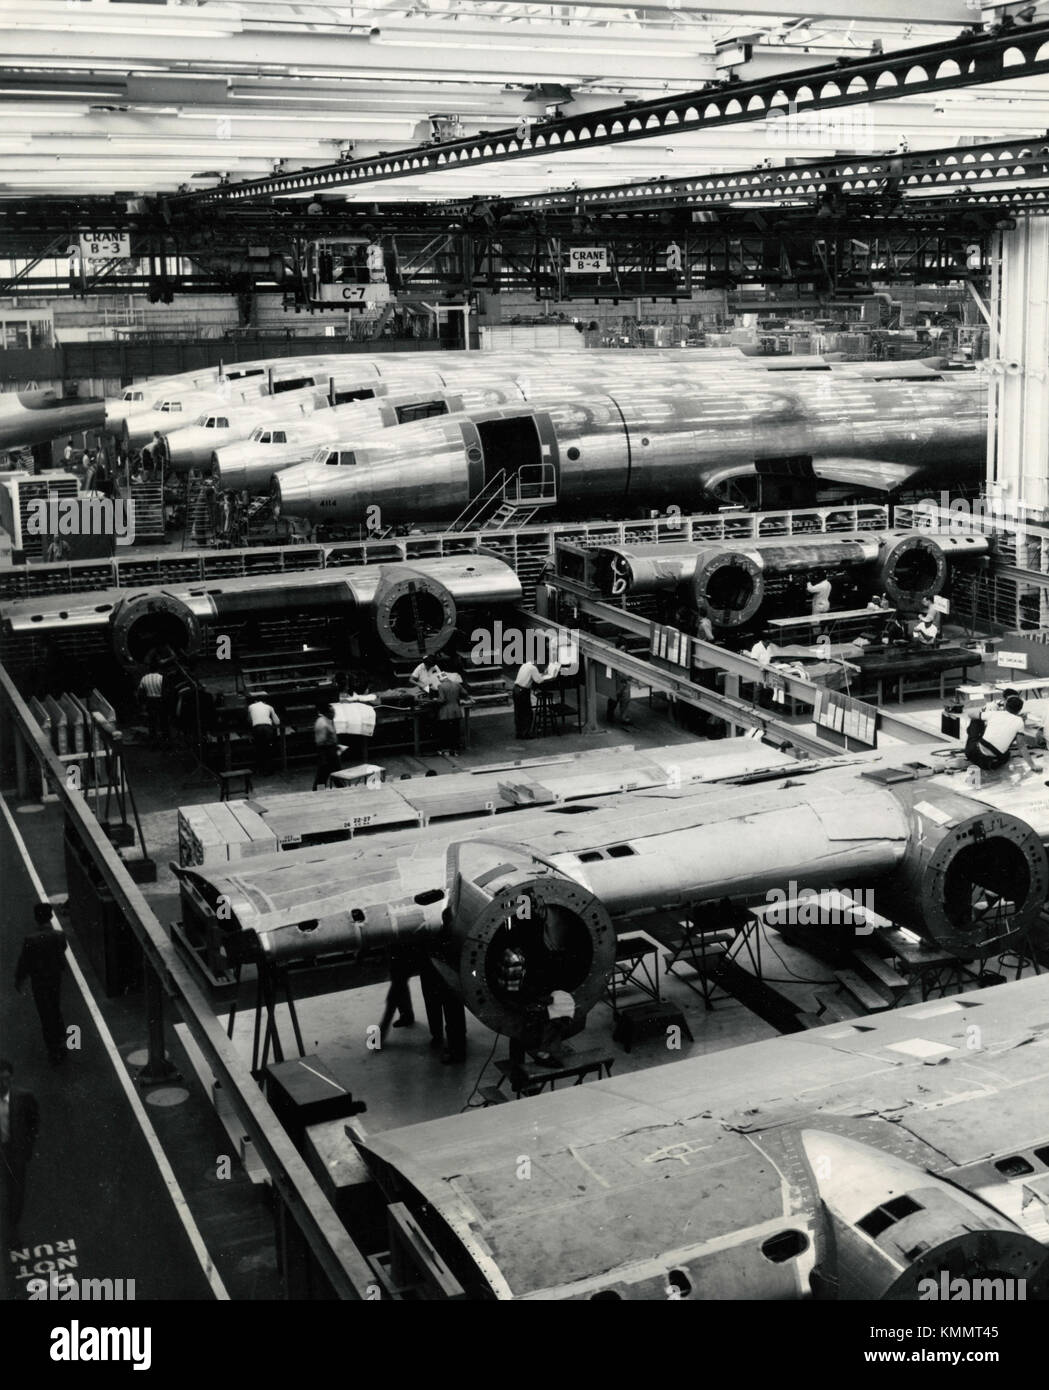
x: 509, y: 500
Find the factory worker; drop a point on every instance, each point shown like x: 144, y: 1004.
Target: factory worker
x: 926, y: 630
x: 989, y: 741
x: 450, y: 712
x: 619, y: 705
x: 265, y: 721
x: 819, y: 587
x: 761, y: 651
x: 427, y: 675
x: 327, y: 744
x: 528, y: 677
x: 151, y: 696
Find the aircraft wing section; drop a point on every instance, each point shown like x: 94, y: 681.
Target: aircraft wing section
x: 684, y: 1167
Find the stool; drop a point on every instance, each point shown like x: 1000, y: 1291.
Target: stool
x: 530, y: 1079
x: 231, y: 775
x: 548, y: 717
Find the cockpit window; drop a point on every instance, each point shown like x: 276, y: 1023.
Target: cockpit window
x: 133, y: 395
x: 279, y: 437
x: 333, y: 459
x: 216, y: 422
x: 264, y: 437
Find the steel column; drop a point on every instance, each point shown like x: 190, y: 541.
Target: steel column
x: 1018, y: 463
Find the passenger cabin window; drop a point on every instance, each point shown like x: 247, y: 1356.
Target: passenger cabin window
x: 425, y: 410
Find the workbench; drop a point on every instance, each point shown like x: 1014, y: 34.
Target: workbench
x: 912, y: 670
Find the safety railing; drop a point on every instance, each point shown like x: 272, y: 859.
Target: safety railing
x: 166, y: 974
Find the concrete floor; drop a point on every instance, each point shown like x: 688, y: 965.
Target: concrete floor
x: 406, y: 1082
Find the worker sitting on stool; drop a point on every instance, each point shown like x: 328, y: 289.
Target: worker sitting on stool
x: 927, y: 629
x: 528, y: 677
x: 427, y: 675
x: 990, y: 739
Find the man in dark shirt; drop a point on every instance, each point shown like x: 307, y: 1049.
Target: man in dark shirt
x: 42, y: 962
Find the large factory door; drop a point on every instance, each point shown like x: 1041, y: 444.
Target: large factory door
x: 510, y: 446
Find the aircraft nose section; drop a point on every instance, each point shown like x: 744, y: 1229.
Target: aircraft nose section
x: 191, y: 448
x: 137, y: 430
x: 227, y: 465
x: 117, y: 412
x: 290, y: 496
x: 897, y: 1231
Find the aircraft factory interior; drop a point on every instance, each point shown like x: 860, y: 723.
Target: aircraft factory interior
x: 524, y: 656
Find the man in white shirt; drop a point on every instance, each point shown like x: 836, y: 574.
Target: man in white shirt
x: 820, y: 591
x: 992, y: 738
x: 528, y: 677
x: 927, y: 628
x: 151, y: 693
x: 760, y: 651
x: 703, y: 627
x: 265, y: 721
x: 427, y: 675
